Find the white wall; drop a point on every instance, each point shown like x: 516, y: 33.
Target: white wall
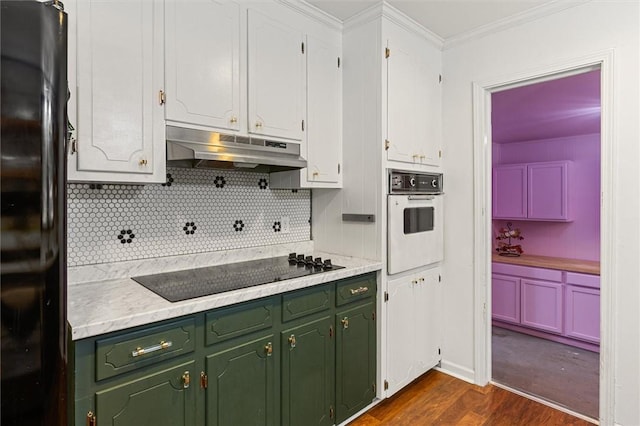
x: 583, y: 30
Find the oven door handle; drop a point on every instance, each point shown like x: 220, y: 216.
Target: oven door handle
x: 420, y: 197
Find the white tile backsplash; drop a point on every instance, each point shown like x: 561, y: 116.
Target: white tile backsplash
x: 197, y: 211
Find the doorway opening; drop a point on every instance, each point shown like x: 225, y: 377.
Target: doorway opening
x: 545, y: 229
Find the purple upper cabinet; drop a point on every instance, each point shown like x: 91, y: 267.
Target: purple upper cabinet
x: 510, y: 191
x: 533, y: 191
x: 547, y: 196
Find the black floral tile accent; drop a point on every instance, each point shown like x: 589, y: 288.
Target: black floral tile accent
x: 262, y: 183
x: 295, y: 191
x: 126, y: 236
x: 220, y: 182
x: 238, y: 226
x: 95, y: 186
x: 190, y: 228
x: 277, y: 227
x: 169, y: 180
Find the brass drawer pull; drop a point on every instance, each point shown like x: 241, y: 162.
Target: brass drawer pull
x: 359, y: 290
x: 292, y: 341
x: 345, y: 322
x: 143, y: 351
x: 268, y: 349
x: 186, y: 380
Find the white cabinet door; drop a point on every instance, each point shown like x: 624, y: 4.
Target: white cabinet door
x: 401, y: 365
x: 276, y: 78
x: 324, y: 111
x: 119, y: 75
x: 413, y: 327
x: 203, y: 63
x: 413, y: 99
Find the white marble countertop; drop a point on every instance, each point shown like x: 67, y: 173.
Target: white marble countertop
x: 97, y: 306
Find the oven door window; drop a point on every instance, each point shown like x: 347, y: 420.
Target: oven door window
x: 418, y: 219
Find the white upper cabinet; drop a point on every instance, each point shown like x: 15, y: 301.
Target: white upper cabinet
x: 116, y: 77
x: 203, y: 63
x: 324, y: 111
x: 414, y: 95
x: 276, y: 77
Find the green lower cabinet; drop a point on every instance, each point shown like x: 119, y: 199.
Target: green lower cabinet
x: 164, y: 398
x: 355, y: 360
x: 308, y: 373
x: 242, y: 386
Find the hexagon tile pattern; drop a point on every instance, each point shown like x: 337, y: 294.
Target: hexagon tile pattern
x: 153, y: 217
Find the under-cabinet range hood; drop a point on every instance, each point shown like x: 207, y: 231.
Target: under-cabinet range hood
x: 204, y: 149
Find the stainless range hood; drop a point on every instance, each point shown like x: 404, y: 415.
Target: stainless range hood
x: 203, y: 149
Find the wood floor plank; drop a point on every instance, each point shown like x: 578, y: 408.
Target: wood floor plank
x: 439, y: 399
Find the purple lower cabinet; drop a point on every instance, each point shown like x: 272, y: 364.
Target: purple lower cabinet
x: 505, y: 298
x: 542, y: 305
x: 582, y: 313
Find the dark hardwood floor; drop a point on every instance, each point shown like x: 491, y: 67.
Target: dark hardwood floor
x: 438, y: 399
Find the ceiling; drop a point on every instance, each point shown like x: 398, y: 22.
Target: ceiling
x: 568, y: 106
x: 446, y: 18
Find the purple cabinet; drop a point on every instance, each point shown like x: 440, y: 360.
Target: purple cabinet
x: 533, y: 191
x: 510, y: 191
x: 505, y: 298
x: 542, y: 305
x: 582, y: 307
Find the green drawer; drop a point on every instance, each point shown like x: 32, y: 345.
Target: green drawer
x: 129, y: 351
x: 355, y: 288
x: 301, y: 303
x: 227, y: 323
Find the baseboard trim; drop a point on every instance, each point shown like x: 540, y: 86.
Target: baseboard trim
x: 457, y: 371
x: 547, y: 403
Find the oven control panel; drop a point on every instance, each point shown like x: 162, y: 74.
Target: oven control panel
x: 409, y: 182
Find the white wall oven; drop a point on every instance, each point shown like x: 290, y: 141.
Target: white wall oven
x: 414, y: 220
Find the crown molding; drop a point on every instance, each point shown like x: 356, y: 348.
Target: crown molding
x: 511, y: 21
x: 313, y: 12
x: 385, y: 10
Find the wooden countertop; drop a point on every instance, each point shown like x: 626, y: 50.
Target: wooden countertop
x: 571, y: 265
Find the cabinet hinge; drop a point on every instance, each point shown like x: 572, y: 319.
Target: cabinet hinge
x: 386, y: 296
x: 439, y: 278
x: 162, y: 97
x: 387, y: 52
x: 91, y: 419
x: 204, y: 380
x: 373, y: 315
x: 74, y: 146
x: 440, y: 153
x: 302, y: 47
x: 330, y: 332
x: 373, y: 387
x: 439, y: 78
x: 338, y: 168
x: 386, y: 385
x: 438, y: 351
x: 331, y: 412
x: 338, y: 61
x: 303, y: 125
x: 386, y: 144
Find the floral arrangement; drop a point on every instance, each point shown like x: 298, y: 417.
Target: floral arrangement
x: 506, y: 248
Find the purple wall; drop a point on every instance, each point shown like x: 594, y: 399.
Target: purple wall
x: 579, y: 239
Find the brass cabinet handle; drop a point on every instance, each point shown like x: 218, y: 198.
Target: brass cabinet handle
x: 414, y: 281
x: 142, y: 162
x: 359, y: 290
x: 421, y: 279
x: 186, y: 379
x: 292, y: 341
x: 258, y: 124
x: 233, y: 119
x: 91, y: 419
x: 345, y: 322
x: 268, y: 349
x: 415, y: 156
x: 422, y: 157
x: 160, y: 346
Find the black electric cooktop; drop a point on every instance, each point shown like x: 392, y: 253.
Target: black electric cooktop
x: 192, y: 283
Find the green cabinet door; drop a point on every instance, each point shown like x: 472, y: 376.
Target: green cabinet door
x: 242, y: 388
x: 308, y: 373
x: 163, y: 398
x: 355, y: 359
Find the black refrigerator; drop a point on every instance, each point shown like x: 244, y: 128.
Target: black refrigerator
x: 33, y: 362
